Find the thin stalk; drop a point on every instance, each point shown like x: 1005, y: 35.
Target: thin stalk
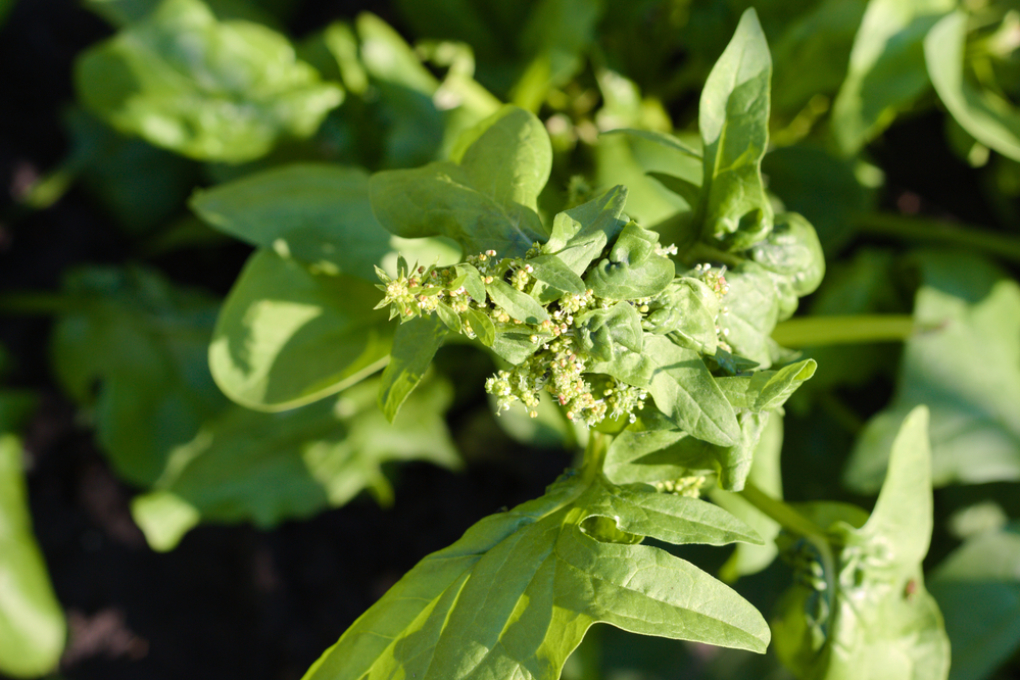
x: 938, y: 231
x: 814, y: 331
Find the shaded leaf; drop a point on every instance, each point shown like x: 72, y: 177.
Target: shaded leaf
x: 144, y: 342
x: 985, y: 114
x: 966, y: 368
x: 249, y: 466
x: 204, y: 88
x: 886, y: 72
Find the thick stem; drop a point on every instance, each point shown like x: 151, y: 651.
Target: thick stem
x: 937, y: 231
x: 815, y: 331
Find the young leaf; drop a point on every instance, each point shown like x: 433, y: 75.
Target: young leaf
x: 870, y: 616
x: 485, y: 198
x: 144, y: 342
x: 688, y: 395
x: 767, y: 390
x: 268, y: 467
x: 733, y: 120
x: 989, y: 117
x: 32, y: 626
x: 978, y: 590
x: 287, y: 337
x: 966, y: 369
x: 414, y: 346
x: 223, y: 91
x: 515, y: 595
x: 633, y: 269
x: 886, y: 71
x: 518, y: 305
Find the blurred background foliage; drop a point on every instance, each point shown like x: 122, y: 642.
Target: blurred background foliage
x: 149, y: 146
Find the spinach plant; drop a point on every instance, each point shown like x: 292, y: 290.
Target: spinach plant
x: 661, y: 351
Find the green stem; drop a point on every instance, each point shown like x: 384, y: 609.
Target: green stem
x: 937, y: 231
x: 814, y: 331
x: 595, y: 455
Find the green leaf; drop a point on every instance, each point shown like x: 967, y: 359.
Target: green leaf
x: 553, y: 271
x: 248, y: 466
x: 966, y: 368
x: 753, y: 311
x: 654, y: 450
x: 886, y: 72
x: 579, y: 235
x: 978, y: 590
x: 144, y: 342
x: 792, y: 252
x: 317, y: 213
x: 765, y: 474
x: 982, y: 112
x: 869, y: 616
x: 733, y: 120
x: 662, y: 139
x: 688, y: 395
x: 515, y: 595
x: 690, y: 192
x: 687, y: 312
x: 414, y: 345
x: 633, y: 269
x: 767, y: 390
x: 211, y: 90
x: 287, y: 337
x: 518, y: 305
x: 485, y: 198
x: 600, y: 331
x: 32, y: 626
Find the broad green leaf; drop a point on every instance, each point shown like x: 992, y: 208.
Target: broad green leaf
x: 551, y: 270
x: 414, y: 345
x: 982, y: 112
x: 978, y: 590
x: 486, y: 198
x: 317, y: 213
x: 633, y: 268
x: 886, y: 72
x: 653, y: 450
x: 579, y: 235
x: 767, y: 390
x: 32, y: 626
x: 211, y: 90
x: 144, y: 343
x: 733, y: 119
x: 765, y: 474
x: 287, y: 337
x: 515, y: 595
x: 966, y: 368
x: 688, y: 395
x: 869, y: 616
x: 249, y: 466
x: 792, y: 252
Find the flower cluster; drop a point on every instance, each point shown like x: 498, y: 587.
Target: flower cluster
x: 558, y: 362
